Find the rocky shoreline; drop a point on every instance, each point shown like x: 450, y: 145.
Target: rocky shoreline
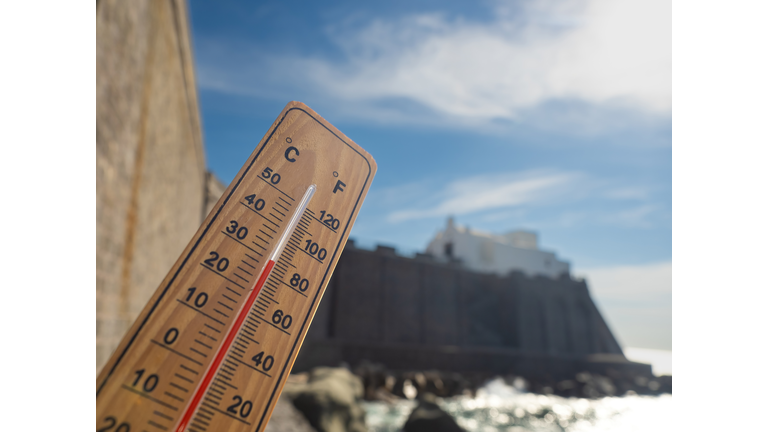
x: 330, y: 399
x: 382, y: 384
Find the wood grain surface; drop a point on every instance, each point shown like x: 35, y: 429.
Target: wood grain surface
x: 151, y: 378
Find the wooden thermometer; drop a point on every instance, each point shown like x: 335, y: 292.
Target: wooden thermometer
x: 212, y: 349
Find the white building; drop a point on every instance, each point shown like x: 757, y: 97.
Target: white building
x: 501, y: 254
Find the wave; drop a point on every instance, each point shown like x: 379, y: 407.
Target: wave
x: 498, y: 406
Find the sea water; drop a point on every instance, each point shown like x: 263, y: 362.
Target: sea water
x: 501, y: 407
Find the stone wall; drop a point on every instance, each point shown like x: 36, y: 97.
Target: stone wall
x: 418, y: 313
x: 150, y: 167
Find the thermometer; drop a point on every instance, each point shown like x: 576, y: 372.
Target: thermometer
x: 212, y: 349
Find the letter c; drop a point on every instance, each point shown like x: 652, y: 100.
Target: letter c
x: 288, y: 153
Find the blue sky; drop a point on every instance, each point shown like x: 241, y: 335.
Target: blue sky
x: 549, y: 116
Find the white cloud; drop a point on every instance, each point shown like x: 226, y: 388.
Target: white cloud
x: 618, y: 50
x: 488, y: 192
x: 614, y: 53
x: 497, y: 197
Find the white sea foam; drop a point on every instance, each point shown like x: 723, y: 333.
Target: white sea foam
x: 498, y: 406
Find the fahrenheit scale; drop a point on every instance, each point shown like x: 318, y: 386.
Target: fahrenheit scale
x: 213, y: 347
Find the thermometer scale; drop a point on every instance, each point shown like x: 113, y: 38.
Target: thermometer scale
x: 212, y: 349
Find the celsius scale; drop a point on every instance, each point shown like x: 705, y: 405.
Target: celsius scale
x: 212, y: 349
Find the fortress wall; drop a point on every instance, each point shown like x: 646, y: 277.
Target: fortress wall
x: 150, y: 168
x: 401, y: 285
x: 556, y: 299
x: 358, y: 308
x: 531, y: 318
x: 483, y: 300
x: 570, y: 323
x: 441, y: 324
x: 511, y: 323
x: 607, y: 342
x: 587, y: 321
x: 321, y: 327
x: 406, y: 312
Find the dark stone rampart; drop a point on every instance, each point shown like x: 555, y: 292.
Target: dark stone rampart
x: 417, y: 313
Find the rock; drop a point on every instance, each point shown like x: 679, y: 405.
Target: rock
x: 604, y: 385
x: 374, y: 377
x: 384, y: 396
x: 387, y: 385
x: 330, y: 400
x: 665, y: 383
x: 428, y: 417
x: 286, y: 418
